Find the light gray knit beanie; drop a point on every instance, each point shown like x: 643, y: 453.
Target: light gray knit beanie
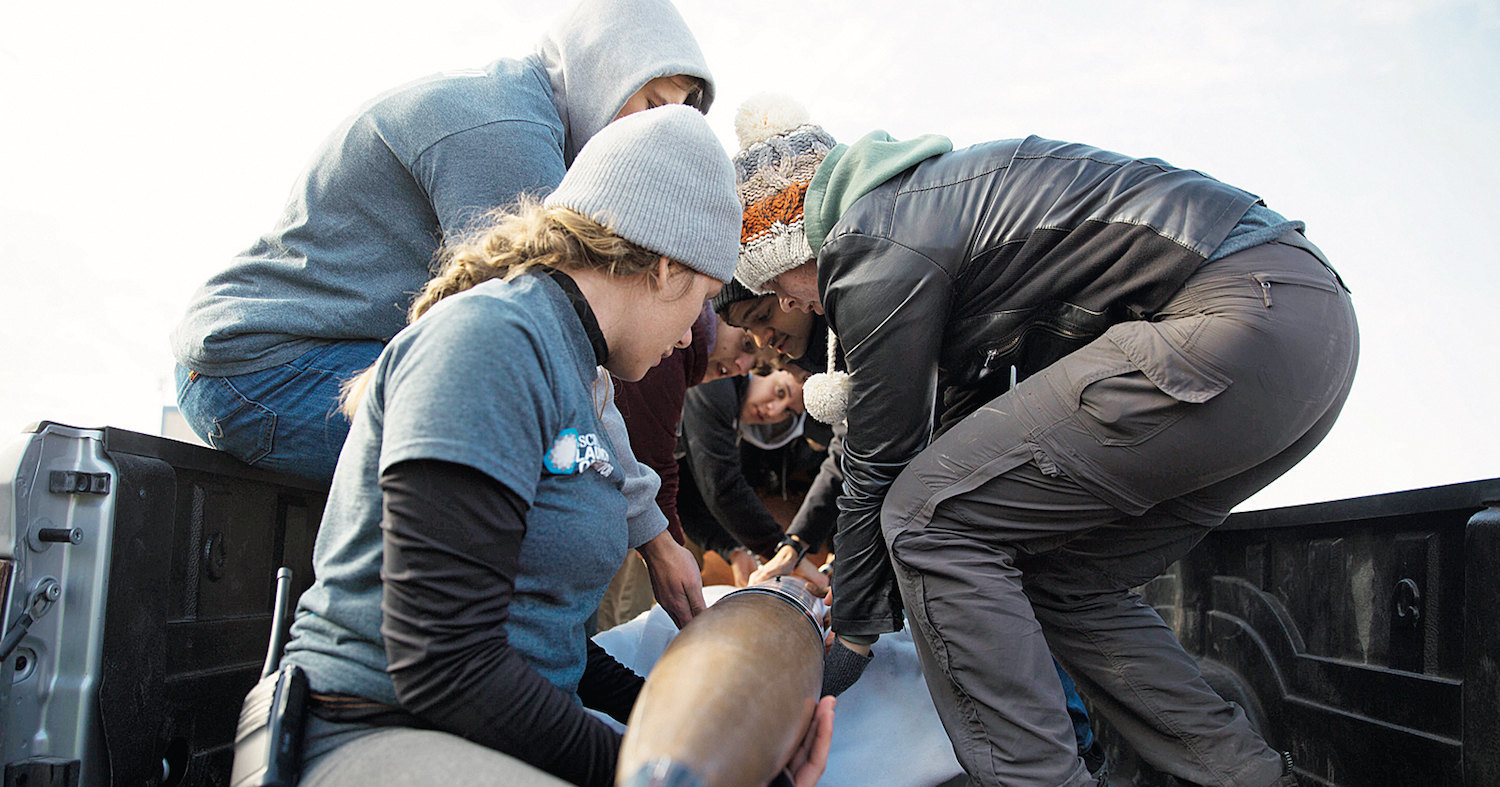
x: 661, y: 180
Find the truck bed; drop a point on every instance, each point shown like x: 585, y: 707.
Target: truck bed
x: 1361, y: 635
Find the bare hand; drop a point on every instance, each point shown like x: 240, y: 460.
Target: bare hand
x: 744, y: 565
x: 811, y: 755
x: 781, y: 564
x: 676, y: 580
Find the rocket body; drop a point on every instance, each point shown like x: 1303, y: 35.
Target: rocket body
x: 732, y: 695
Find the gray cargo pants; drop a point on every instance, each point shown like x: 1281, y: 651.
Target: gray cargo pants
x: 1020, y: 532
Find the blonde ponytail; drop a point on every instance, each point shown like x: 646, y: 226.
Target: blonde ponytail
x: 512, y: 241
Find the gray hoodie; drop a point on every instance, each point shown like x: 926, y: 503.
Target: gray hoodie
x: 361, y: 228
x: 605, y: 50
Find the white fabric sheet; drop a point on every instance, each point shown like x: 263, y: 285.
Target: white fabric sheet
x: 885, y: 730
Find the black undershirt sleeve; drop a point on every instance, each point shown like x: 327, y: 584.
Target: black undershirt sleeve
x: 819, y: 512
x: 608, y: 686
x: 452, y: 548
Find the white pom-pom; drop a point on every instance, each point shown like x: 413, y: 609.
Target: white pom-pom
x: 826, y: 396
x: 765, y: 115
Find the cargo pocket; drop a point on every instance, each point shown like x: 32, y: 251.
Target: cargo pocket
x: 937, y: 475
x: 1154, y: 386
x: 1266, y: 280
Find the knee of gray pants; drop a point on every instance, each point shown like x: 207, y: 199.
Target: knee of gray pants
x: 949, y: 468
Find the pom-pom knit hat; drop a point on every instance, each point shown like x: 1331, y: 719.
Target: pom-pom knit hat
x: 661, y: 180
x: 780, y: 150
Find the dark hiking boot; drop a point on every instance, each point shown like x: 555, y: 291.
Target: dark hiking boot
x: 1098, y: 763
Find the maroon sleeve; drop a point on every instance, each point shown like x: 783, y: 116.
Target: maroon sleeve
x: 695, y: 357
x: 651, y: 407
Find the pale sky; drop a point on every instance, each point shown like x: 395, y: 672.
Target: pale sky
x: 145, y: 145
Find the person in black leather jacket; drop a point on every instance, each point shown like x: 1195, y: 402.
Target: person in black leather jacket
x: 1119, y: 351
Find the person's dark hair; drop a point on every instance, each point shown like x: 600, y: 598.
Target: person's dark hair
x: 732, y: 293
x: 696, y: 95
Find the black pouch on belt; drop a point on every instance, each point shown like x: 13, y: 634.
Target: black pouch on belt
x: 268, y: 742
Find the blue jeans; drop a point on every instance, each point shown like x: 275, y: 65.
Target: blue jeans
x: 1082, y: 730
x: 285, y: 418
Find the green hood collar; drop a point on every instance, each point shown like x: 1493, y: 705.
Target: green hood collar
x: 852, y: 171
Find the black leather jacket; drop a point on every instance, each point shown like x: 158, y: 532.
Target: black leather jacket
x: 1006, y: 253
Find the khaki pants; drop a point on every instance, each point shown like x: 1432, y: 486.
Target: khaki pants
x: 630, y: 593
x: 1019, y: 533
x: 355, y: 755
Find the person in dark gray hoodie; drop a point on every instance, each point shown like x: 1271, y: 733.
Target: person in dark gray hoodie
x: 267, y: 342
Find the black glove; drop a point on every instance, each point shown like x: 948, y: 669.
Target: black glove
x: 841, y: 667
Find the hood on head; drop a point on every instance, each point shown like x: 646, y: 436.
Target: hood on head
x: 603, y: 51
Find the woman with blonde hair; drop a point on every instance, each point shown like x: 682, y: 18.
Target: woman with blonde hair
x: 476, y: 512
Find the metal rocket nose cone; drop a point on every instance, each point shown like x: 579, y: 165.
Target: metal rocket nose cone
x: 663, y: 772
x: 793, y: 590
x: 749, y: 652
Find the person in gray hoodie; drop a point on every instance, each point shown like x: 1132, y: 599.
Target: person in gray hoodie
x: 267, y: 342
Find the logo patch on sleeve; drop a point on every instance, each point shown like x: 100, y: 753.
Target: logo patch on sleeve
x: 574, y: 453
